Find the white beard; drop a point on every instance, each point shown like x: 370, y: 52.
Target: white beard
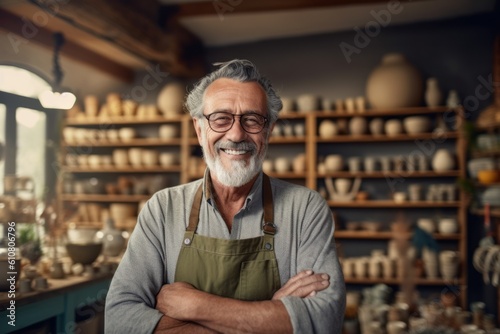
x: 240, y: 172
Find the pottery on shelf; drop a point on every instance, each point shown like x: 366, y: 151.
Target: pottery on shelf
x: 112, y: 239
x: 344, y: 190
x: 416, y: 124
x: 327, y: 129
x: 282, y: 165
x: 393, y: 127
x: 168, y: 131
x: 433, y: 95
x: 334, y: 162
x: 376, y: 126
x: 299, y: 163
x: 453, y: 100
x: 443, y: 161
x: 395, y: 83
x: 307, y: 102
x: 357, y: 125
x: 170, y: 99
x: 288, y: 104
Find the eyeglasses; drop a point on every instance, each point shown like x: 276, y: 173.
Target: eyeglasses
x: 223, y: 121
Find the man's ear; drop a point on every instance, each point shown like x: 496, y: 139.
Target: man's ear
x: 197, y: 128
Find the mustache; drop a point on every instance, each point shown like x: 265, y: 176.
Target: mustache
x: 230, y: 145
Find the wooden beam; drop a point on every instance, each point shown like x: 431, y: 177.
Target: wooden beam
x: 245, y: 6
x: 114, y: 21
x: 44, y: 37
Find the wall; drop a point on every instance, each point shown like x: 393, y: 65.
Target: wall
x: 458, y: 52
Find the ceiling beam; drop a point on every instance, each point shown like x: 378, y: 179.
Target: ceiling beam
x: 44, y: 37
x: 218, y: 7
x: 176, y: 50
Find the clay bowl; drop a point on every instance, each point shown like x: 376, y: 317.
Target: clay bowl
x: 416, y: 124
x: 487, y: 176
x: 84, y: 253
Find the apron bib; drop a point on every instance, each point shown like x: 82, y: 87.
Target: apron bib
x: 244, y: 269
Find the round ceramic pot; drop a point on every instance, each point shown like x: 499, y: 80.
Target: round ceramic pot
x: 357, y: 126
x: 168, y: 131
x: 395, y: 83
x: 282, y: 165
x: 393, y: 127
x: 170, y: 100
x: 334, y: 162
x: 443, y: 160
x: 126, y: 134
x: 376, y: 126
x: 327, y: 129
x: 120, y: 157
x: 307, y: 102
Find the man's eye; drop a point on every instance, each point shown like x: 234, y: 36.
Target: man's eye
x: 222, y: 118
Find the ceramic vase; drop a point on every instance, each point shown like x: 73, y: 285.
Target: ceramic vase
x: 443, y: 161
x: 112, y: 239
x: 395, y: 83
x: 433, y: 95
x: 453, y: 100
x: 170, y: 99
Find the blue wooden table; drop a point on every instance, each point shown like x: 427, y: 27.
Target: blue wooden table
x: 62, y: 301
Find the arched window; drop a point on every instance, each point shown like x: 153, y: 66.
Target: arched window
x: 25, y: 127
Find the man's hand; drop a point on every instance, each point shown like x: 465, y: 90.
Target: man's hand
x: 304, y: 284
x: 175, y: 300
x: 169, y: 299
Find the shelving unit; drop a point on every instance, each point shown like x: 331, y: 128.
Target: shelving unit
x: 313, y: 146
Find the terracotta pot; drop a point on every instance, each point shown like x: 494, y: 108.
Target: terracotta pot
x: 395, y: 83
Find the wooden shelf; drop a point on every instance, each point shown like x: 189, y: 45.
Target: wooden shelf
x: 142, y: 169
x: 122, y: 120
x: 293, y: 115
x: 485, y: 154
x: 103, y: 198
x: 133, y: 142
x: 391, y: 204
x: 382, y: 113
x: 289, y: 175
x: 397, y: 281
x: 391, y: 174
x: 495, y: 213
x: 287, y: 140
x: 383, y: 235
x: 385, y: 138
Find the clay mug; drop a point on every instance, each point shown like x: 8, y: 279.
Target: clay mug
x: 393, y: 127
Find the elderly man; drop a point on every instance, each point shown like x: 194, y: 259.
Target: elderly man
x: 236, y: 251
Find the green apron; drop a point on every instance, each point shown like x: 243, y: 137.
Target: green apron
x: 244, y: 269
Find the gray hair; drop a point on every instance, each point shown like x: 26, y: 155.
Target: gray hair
x: 239, y: 70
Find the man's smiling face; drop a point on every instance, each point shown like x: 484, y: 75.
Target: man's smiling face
x: 234, y: 157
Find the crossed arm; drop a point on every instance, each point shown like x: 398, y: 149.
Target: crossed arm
x: 188, y: 309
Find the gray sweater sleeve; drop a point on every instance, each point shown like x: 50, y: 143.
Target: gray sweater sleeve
x: 131, y: 300
x: 323, y: 313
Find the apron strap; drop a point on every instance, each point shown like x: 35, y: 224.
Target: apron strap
x: 195, y: 210
x: 267, y: 200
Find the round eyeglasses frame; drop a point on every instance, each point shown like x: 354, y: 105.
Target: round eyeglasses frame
x: 261, y: 122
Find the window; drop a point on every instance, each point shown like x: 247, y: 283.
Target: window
x: 24, y: 128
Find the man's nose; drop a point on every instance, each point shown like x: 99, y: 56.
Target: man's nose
x: 236, y: 133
